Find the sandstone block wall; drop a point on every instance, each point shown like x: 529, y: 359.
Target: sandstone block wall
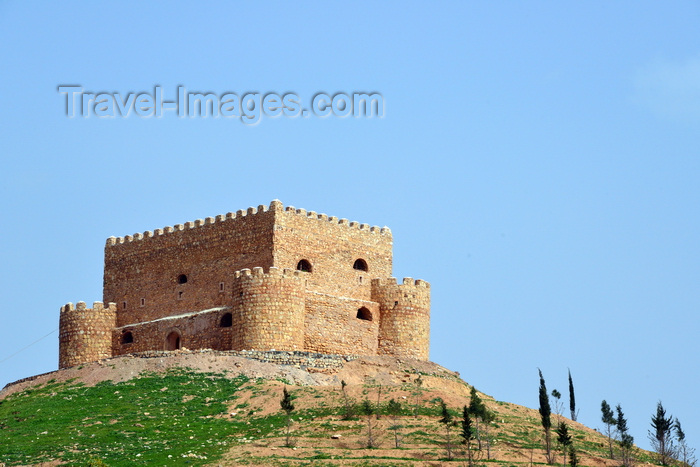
x: 143, y: 272
x: 85, y: 334
x: 331, y: 325
x: 268, y: 310
x: 204, y: 284
x: 200, y: 330
x: 405, y: 317
x: 332, y: 246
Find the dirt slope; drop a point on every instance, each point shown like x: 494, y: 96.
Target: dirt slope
x: 514, y: 438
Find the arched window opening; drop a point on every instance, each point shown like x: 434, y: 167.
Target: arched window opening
x: 360, y: 264
x: 364, y: 314
x: 226, y: 321
x: 304, y: 266
x: 127, y: 338
x: 172, y: 342
x: 182, y: 279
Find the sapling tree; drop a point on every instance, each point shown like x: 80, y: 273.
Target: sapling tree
x: 487, y: 417
x: 564, y: 439
x: 661, y: 435
x: 379, y: 400
x: 573, y: 458
x: 446, y: 419
x: 558, y: 404
x: 367, y: 409
x: 394, y: 410
x: 625, y: 440
x: 467, y: 434
x: 349, y: 412
x: 610, y: 422
x: 478, y: 410
x: 287, y: 405
x: 419, y: 386
x: 686, y: 454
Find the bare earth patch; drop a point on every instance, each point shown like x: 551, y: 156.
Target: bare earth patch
x: 515, y: 435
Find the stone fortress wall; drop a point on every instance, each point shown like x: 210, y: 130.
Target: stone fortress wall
x: 261, y: 279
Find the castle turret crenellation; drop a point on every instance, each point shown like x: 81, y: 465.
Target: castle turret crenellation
x: 268, y: 309
x: 262, y: 278
x: 405, y: 317
x: 85, y: 334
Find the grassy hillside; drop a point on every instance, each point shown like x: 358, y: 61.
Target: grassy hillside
x: 187, y: 417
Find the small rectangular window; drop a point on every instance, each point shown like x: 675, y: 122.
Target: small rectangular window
x: 143, y: 302
x: 179, y: 295
x: 124, y: 305
x: 221, y: 286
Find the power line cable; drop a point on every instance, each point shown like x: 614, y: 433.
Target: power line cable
x: 25, y: 348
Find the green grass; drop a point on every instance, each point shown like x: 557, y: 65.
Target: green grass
x: 180, y: 418
x: 152, y: 419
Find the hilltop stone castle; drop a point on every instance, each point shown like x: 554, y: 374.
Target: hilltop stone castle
x: 271, y: 278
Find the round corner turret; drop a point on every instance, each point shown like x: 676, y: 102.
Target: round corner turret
x: 85, y: 334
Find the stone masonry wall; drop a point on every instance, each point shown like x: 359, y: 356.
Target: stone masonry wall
x: 268, y: 310
x: 331, y: 325
x: 172, y: 288
x: 85, y: 334
x: 332, y: 246
x: 142, y: 271
x: 199, y: 330
x: 405, y: 317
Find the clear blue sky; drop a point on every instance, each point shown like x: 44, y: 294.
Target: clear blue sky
x: 537, y: 162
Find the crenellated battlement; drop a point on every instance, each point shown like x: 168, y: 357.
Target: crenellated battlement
x: 82, y: 306
x: 228, y: 217
x: 407, y: 281
x: 266, y: 277
x: 405, y: 317
x: 272, y: 272
x: 334, y: 220
x: 275, y: 205
x: 85, y: 334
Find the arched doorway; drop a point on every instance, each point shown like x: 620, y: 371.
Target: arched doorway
x: 172, y: 342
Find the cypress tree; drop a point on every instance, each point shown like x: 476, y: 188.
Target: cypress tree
x: 545, y: 415
x: 572, y: 398
x: 467, y: 432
